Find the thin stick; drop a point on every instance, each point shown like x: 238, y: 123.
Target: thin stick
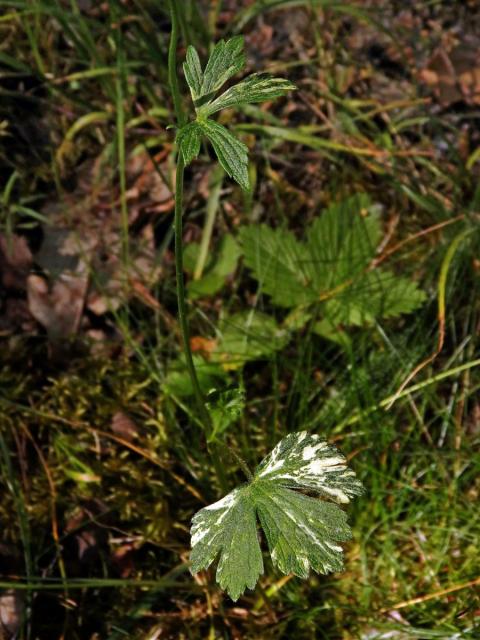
x: 432, y: 596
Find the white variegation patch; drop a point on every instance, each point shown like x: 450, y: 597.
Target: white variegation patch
x: 304, y: 460
x: 302, y: 532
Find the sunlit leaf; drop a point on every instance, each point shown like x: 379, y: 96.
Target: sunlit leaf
x: 302, y: 532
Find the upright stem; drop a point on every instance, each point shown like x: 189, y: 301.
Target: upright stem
x: 182, y: 307
x: 172, y: 67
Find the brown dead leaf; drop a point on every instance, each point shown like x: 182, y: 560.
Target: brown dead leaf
x: 123, y: 426
x: 15, y: 261
x: 149, y: 190
x: 202, y: 345
x: 11, y: 612
x: 123, y: 559
x: 111, y: 284
x: 57, y: 308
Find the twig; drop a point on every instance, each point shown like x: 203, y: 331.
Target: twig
x: 431, y: 596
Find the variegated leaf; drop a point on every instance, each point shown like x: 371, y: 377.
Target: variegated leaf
x: 256, y: 88
x: 302, y: 532
x: 228, y: 527
x: 306, y: 461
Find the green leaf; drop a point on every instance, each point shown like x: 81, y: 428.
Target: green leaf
x: 231, y: 153
x: 377, y: 294
x: 216, y: 273
x: 193, y: 72
x: 255, y: 88
x: 333, y: 269
x: 189, y: 139
x: 302, y: 532
x: 178, y: 382
x: 248, y: 336
x: 342, y: 241
x: 225, y: 408
x: 279, y: 263
x: 228, y: 527
x: 226, y: 59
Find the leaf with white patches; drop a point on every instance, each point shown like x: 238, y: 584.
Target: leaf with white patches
x: 306, y: 461
x: 302, y: 532
x: 258, y: 87
x: 228, y: 527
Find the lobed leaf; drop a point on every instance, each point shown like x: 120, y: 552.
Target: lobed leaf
x: 255, y: 88
x: 228, y: 527
x: 231, y: 153
x: 226, y: 59
x: 189, y: 139
x: 342, y: 241
x: 302, y: 532
x: 306, y: 461
x: 332, y: 268
x: 279, y: 263
x: 377, y: 294
x: 193, y: 72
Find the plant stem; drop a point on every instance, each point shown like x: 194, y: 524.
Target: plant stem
x: 182, y: 307
x: 172, y: 67
x: 242, y: 464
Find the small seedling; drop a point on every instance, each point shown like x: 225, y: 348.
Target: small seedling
x: 302, y: 532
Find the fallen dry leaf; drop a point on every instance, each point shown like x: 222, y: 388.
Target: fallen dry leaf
x: 11, y: 613
x: 123, y: 426
x: 57, y: 308
x: 15, y: 261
